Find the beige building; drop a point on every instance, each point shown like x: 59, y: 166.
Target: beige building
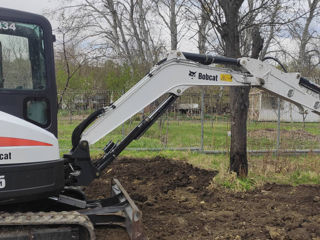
x: 264, y: 107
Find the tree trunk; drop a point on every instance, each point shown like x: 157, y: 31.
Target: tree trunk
x: 239, y: 96
x: 135, y: 32
x: 117, y: 26
x: 239, y: 104
x: 202, y: 39
x: 273, y: 29
x: 173, y: 25
x: 145, y: 32
x: 305, y: 39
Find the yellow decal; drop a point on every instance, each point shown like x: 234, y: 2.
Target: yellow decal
x: 226, y: 77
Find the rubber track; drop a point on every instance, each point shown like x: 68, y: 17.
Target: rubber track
x: 48, y: 219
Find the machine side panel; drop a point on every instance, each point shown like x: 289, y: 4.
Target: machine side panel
x: 24, y: 142
x: 22, y: 182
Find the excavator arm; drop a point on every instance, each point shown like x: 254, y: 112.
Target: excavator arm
x: 172, y: 76
x: 181, y: 71
x: 288, y: 86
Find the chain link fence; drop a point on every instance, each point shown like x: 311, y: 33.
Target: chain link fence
x: 200, y: 121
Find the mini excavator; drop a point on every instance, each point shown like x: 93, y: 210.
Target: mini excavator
x: 30, y: 164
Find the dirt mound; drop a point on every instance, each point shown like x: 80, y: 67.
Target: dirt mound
x: 271, y: 134
x: 176, y: 204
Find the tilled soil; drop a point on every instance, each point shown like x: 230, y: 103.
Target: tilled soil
x: 177, y: 204
x: 271, y: 134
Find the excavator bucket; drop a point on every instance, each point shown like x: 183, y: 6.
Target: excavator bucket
x: 118, y: 210
x: 133, y: 216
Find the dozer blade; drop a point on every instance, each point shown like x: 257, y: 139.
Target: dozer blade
x: 118, y: 210
x: 133, y: 223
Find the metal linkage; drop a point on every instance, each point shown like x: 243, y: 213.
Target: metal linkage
x: 112, y: 150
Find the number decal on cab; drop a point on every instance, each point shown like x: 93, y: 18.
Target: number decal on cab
x: 7, y: 26
x: 2, y: 182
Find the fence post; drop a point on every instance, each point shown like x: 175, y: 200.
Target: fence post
x: 278, y: 129
x: 202, y: 118
x: 123, y: 124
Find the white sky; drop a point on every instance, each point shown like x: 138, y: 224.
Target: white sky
x: 34, y: 6
x: 39, y: 6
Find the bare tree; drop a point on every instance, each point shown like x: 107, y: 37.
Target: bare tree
x: 307, y: 38
x: 198, y: 24
x: 117, y: 29
x: 239, y: 97
x: 104, y: 30
x: 272, y: 28
x: 236, y: 25
x: 171, y: 13
x: 237, y: 28
x: 67, y: 50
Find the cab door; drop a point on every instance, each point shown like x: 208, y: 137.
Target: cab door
x: 27, y: 79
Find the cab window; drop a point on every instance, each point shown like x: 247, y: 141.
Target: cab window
x: 22, y: 62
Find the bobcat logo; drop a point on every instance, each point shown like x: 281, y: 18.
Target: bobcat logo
x: 192, y: 74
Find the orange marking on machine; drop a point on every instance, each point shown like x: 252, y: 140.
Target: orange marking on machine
x: 14, y: 142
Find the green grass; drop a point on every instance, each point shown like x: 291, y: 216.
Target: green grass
x: 187, y: 134
x: 294, y: 170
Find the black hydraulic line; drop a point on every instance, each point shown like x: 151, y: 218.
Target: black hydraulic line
x: 161, y: 61
x: 134, y: 134
x: 310, y: 85
x: 303, y: 81
x: 209, y: 59
x: 76, y: 134
x: 276, y: 60
x: 158, y: 113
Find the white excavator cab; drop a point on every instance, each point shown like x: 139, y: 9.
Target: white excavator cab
x: 30, y: 163
x: 27, y: 77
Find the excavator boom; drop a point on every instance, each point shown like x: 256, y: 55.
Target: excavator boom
x: 181, y: 71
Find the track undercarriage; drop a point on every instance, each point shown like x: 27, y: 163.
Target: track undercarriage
x: 77, y: 223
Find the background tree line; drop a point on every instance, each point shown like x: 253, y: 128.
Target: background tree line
x: 111, y: 44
